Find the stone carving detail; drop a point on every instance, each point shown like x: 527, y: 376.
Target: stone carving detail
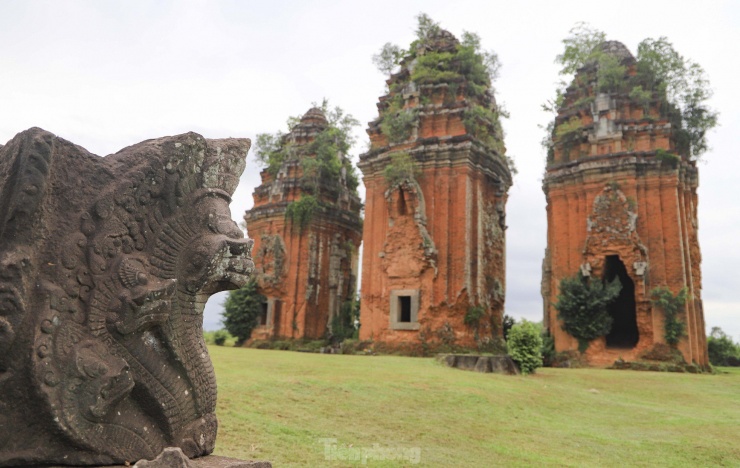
x: 612, y: 220
x: 105, y: 266
x: 270, y: 259
x: 612, y: 229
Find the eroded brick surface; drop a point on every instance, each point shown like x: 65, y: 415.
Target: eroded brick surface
x: 440, y: 232
x: 611, y: 191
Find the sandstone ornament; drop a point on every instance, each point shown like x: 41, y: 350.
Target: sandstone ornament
x: 105, y: 267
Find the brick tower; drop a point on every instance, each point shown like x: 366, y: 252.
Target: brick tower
x: 306, y: 229
x: 437, y: 179
x: 621, y: 202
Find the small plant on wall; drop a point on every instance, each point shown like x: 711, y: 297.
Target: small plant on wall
x: 301, y: 212
x: 672, y: 306
x: 401, y: 167
x: 582, y: 306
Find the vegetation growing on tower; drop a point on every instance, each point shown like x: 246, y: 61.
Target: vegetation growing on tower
x: 323, y: 158
x: 657, y: 77
x: 437, y: 58
x: 672, y: 306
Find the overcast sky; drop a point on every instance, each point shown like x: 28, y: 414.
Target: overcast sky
x: 107, y: 74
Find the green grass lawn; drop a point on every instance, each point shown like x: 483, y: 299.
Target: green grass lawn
x: 279, y: 405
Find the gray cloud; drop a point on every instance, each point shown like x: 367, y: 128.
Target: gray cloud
x: 109, y: 74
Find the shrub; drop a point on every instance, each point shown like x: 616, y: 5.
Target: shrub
x: 525, y: 344
x: 220, y: 337
x: 671, y: 305
x: 667, y: 159
x: 473, y: 316
x: 397, y: 126
x: 548, y: 349
x: 242, y: 310
x: 485, y: 125
x: 582, y: 307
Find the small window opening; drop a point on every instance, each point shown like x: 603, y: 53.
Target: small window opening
x: 404, y: 309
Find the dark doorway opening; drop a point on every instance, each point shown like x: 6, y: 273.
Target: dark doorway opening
x: 623, y: 310
x: 402, y: 210
x: 263, y: 314
x: 404, y: 309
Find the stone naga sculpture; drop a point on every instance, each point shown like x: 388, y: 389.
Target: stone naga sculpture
x: 105, y: 267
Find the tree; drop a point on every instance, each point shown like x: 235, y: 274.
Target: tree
x: 242, y: 310
x: 508, y: 324
x: 388, y: 58
x: 722, y: 350
x: 582, y: 306
x: 684, y: 84
x: 580, y: 47
x: 343, y: 324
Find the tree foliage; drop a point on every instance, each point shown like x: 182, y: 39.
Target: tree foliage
x: 271, y: 151
x: 524, y: 344
x: 580, y: 47
x: 661, y: 74
x: 242, y: 310
x: 582, y: 306
x: 684, y: 84
x: 398, y: 123
x: 508, y: 323
x: 672, y: 306
x: 388, y: 58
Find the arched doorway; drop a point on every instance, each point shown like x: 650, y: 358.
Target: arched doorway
x: 624, y: 333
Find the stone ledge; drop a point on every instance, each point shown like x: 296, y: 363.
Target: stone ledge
x: 216, y: 461
x: 210, y: 461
